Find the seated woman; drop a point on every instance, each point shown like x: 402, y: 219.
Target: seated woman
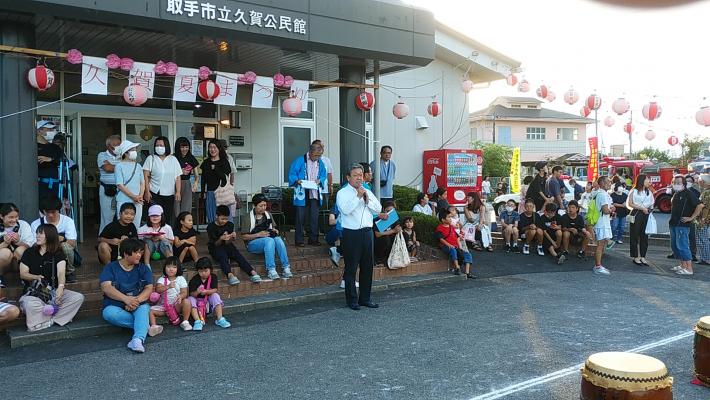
x: 384, y: 240
x: 116, y: 232
x: 43, y: 266
x: 127, y: 285
x: 422, y: 205
x: 262, y: 237
x: 15, y: 237
x: 51, y: 207
x: 475, y: 213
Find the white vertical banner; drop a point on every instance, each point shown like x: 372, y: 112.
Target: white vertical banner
x: 94, y: 75
x: 185, y: 87
x: 263, y: 92
x: 227, y: 83
x: 300, y: 90
x: 142, y: 74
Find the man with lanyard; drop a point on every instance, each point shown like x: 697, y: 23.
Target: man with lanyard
x: 106, y: 161
x: 308, y: 167
x: 357, y: 205
x: 50, y: 207
x: 49, y: 157
x: 388, y: 170
x: 553, y: 187
x: 328, y: 188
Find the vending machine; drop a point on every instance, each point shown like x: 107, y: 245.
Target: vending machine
x: 459, y: 171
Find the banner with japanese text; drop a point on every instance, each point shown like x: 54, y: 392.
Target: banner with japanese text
x: 142, y: 74
x: 185, y: 87
x: 593, y: 165
x: 515, y: 171
x: 94, y: 76
x: 300, y: 90
x: 263, y: 92
x: 227, y: 83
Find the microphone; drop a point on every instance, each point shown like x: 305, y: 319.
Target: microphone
x: 364, y: 197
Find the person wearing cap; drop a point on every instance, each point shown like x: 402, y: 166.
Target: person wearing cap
x: 49, y: 156
x: 106, y: 162
x: 129, y: 179
x: 157, y: 235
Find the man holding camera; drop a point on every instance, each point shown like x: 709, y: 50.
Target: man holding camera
x: 388, y: 169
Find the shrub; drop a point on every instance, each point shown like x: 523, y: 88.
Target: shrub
x: 424, y: 226
x: 405, y: 197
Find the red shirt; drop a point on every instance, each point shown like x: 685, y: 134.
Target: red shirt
x: 448, y: 233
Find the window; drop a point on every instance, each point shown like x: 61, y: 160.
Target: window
x: 296, y: 140
x: 535, y: 133
x: 474, y: 134
x: 515, y: 106
x: 535, y: 107
x: 567, y: 133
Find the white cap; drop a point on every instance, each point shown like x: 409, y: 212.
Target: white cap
x: 45, y: 124
x: 125, y: 146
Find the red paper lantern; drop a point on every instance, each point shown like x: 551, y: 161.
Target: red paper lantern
x: 702, y: 117
x: 650, y: 135
x: 400, y: 110
x: 620, y: 106
x: 542, y: 92
x: 466, y: 86
x: 512, y: 80
x: 594, y: 102
x: 672, y: 140
x: 208, y: 90
x: 551, y: 96
x: 365, y: 101
x: 523, y: 86
x: 434, y: 109
x: 40, y: 78
x: 571, y: 96
x: 135, y: 95
x: 609, y: 121
x: 292, y: 106
x: 628, y: 128
x: 585, y: 111
x: 651, y: 111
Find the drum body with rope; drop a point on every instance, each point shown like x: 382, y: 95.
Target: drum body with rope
x: 625, y: 376
x: 701, y: 350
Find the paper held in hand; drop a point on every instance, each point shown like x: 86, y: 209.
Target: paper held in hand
x: 309, y: 185
x: 383, y: 224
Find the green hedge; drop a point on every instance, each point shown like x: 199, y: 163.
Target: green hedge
x: 424, y: 226
x: 405, y: 197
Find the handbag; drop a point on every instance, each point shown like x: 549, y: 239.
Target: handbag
x: 399, y: 256
x: 110, y: 190
x: 224, y: 195
x: 651, y: 226
x: 631, y: 218
x: 469, y: 232
x: 41, y: 290
x: 170, y: 310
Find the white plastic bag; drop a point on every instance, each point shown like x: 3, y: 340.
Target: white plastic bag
x: 651, y: 227
x: 399, y: 256
x: 486, y: 236
x: 469, y: 232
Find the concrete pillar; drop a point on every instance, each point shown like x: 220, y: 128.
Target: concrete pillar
x: 353, y: 139
x: 18, y: 148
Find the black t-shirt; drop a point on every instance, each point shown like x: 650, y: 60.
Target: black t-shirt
x: 49, y: 169
x: 43, y: 264
x: 683, y: 204
x: 536, y: 186
x: 546, y: 222
x: 214, y: 232
x: 525, y: 221
x: 261, y: 224
x: 185, y: 235
x: 577, y: 223
x: 115, y: 230
x: 184, y: 162
x: 196, y: 281
x: 620, y: 199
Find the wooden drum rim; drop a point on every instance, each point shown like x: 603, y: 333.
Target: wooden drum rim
x: 621, y: 380
x: 702, y: 328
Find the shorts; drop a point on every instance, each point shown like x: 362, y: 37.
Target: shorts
x: 603, y: 233
x: 160, y: 246
x: 213, y: 299
x: 178, y: 250
x: 4, y: 306
x: 545, y: 242
x: 577, y: 239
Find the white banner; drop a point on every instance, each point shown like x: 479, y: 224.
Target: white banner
x: 142, y: 74
x: 94, y: 75
x: 185, y: 87
x: 300, y: 90
x: 263, y: 92
x: 227, y: 83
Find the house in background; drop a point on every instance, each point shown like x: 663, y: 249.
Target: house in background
x: 541, y: 134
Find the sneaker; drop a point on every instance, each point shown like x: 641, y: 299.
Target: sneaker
x: 185, y: 325
x: 334, y: 256
x: 233, y: 280
x: 507, y: 248
x: 581, y: 255
x: 540, y: 251
x: 599, y: 270
x: 342, y: 283
x: 254, y: 278
x: 222, y: 323
x: 470, y: 276
x: 457, y: 271
x: 610, y: 244
x: 561, y: 258
x: 287, y: 273
x: 676, y: 268
x: 516, y: 249
x: 136, y: 345
x: 526, y: 249
x: 155, y: 330
x: 619, y: 241
x: 273, y: 275
x: 683, y: 271
x: 197, y: 326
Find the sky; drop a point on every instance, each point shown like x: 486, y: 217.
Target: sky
x: 593, y: 46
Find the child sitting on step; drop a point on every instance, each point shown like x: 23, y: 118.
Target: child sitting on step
x: 204, y: 297
x: 173, y: 285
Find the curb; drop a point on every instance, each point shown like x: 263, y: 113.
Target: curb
x: 19, y: 337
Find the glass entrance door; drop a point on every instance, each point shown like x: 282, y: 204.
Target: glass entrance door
x: 145, y: 133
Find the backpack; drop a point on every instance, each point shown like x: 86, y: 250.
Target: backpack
x: 593, y: 213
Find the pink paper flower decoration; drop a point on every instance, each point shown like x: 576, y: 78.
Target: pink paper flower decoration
x: 160, y: 68
x: 171, y: 68
x: 247, y: 78
x: 113, y: 61
x: 204, y: 73
x: 74, y: 56
x: 278, y: 80
x: 288, y: 81
x: 126, y: 64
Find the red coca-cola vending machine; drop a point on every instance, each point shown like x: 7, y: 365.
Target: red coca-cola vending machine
x: 459, y: 171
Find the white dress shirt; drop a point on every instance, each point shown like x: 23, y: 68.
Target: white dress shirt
x: 163, y: 174
x: 353, y: 209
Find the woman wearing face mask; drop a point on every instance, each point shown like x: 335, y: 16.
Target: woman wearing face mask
x: 685, y: 207
x: 162, y: 171
x: 215, y: 172
x: 188, y: 164
x: 129, y: 180
x: 618, y: 197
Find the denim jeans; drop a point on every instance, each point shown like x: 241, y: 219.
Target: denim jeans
x: 680, y: 243
x: 617, y: 227
x: 269, y: 246
x: 136, y: 320
x: 455, y: 252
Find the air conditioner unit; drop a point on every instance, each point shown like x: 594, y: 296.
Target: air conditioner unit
x: 421, y: 123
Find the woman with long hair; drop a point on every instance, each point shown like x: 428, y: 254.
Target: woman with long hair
x: 215, y: 173
x: 188, y: 164
x: 475, y: 213
x: 44, y: 266
x: 162, y: 171
x: 15, y: 236
x: 641, y: 203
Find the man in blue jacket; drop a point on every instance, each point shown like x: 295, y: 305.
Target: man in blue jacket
x: 308, y: 167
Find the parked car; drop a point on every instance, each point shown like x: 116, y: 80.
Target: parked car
x: 499, y: 202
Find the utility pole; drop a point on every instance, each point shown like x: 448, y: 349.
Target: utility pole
x: 494, y: 129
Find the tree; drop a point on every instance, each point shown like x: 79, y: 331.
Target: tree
x: 496, y: 158
x: 692, y: 148
x: 649, y: 153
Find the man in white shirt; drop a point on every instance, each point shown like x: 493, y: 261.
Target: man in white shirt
x: 66, y: 228
x: 357, y: 205
x: 106, y: 161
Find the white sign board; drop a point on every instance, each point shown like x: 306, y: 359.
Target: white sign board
x: 94, y: 75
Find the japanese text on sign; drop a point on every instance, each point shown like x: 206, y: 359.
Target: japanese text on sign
x: 593, y: 166
x: 211, y: 12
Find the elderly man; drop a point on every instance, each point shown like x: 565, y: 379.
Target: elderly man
x: 307, y: 176
x: 106, y: 161
x: 388, y: 170
x: 702, y: 231
x: 49, y: 156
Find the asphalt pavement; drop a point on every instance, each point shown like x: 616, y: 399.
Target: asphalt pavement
x: 518, y: 332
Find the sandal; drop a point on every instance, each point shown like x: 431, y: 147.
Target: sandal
x: 477, y: 247
x: 489, y: 248
x: 637, y: 262
x: 643, y: 262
